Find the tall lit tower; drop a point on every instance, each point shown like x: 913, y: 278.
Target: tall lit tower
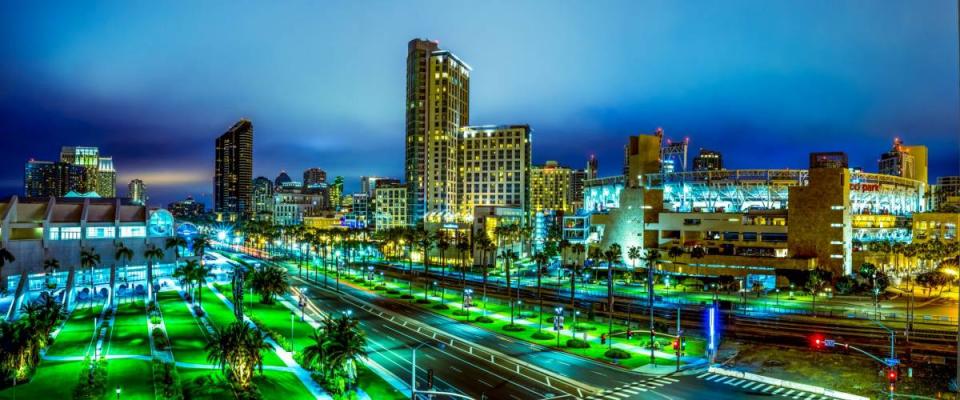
x: 438, y: 105
x: 137, y: 192
x: 233, y: 174
x: 905, y: 161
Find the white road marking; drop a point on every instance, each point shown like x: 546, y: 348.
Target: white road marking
x: 747, y: 386
x: 702, y: 375
x: 778, y: 391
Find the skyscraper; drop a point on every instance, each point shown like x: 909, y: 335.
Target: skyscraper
x: 136, y: 191
x: 593, y: 167
x: 550, y: 188
x: 262, y: 199
x: 46, y: 178
x: 101, y: 176
x: 233, y: 174
x: 437, y: 106
x: 905, y: 161
x: 708, y: 160
x: 495, y: 165
x: 336, y: 193
x: 281, y: 179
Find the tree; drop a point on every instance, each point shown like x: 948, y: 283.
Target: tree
x: 463, y: 245
x: 238, y: 350
x: 152, y: 253
x: 509, y: 256
x: 176, y: 243
x: 198, y: 275
x: 442, y: 245
x: 485, y: 245
x: 424, y: 241
x: 818, y: 279
x: 268, y: 282
x: 122, y: 254
x: 5, y: 257
x: 612, y: 255
x: 90, y: 259
x: 185, y: 274
x: 540, y: 259
x: 575, y: 270
x: 51, y: 265
x: 346, y: 346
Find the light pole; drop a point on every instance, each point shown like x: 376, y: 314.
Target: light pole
x: 118, y: 392
x: 293, y: 315
x: 558, y: 324
x: 778, y: 298
x: 467, y: 301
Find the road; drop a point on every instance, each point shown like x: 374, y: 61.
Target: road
x: 390, y: 347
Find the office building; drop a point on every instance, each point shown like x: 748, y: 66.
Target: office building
x: 281, y: 179
x: 43, y: 179
x: 262, y: 199
x: 233, y: 174
x: 390, y: 206
x: 137, y: 192
x: 593, y: 167
x: 550, y: 188
x: 905, y: 161
x: 829, y: 159
x: 437, y: 106
x: 369, y: 183
x: 708, y: 160
x: 101, y: 177
x: 642, y: 156
x: 946, y: 194
x: 314, y: 177
x: 106, y: 178
x: 336, y: 193
x: 495, y: 167
x: 186, y: 209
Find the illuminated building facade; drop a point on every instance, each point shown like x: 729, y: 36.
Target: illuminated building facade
x: 946, y: 194
x: 101, y: 176
x: 262, y: 199
x: 495, y: 167
x: 437, y: 105
x: 291, y: 206
x: 336, y: 193
x: 43, y: 179
x: 829, y: 159
x: 39, y: 229
x: 314, y: 177
x: 137, y: 192
x: 905, y: 161
x: 233, y: 173
x: 186, y: 209
x: 390, y: 206
x: 550, y: 188
x: 708, y: 160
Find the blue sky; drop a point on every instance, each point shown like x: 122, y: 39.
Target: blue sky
x: 763, y: 82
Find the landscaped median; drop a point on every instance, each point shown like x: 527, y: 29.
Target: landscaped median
x: 526, y: 324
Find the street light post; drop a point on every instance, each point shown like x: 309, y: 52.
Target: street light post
x: 292, y: 316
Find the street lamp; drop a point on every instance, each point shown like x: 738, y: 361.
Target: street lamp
x: 558, y: 323
x: 467, y: 301
x: 118, y: 391
x: 292, y: 316
x: 778, y: 297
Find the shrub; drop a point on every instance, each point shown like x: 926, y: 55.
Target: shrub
x: 577, y: 344
x: 513, y: 328
x: 159, y: 339
x: 92, y: 382
x: 380, y: 287
x: 542, y: 335
x: 441, y: 307
x: 585, y: 327
x: 616, y: 354
x: 484, y: 319
x: 406, y: 296
x: 460, y: 313
x: 423, y: 301
x: 167, y: 379
x: 155, y: 319
x: 393, y: 291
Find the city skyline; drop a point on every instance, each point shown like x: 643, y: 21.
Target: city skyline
x: 772, y: 79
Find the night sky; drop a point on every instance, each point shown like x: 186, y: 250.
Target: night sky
x: 764, y: 82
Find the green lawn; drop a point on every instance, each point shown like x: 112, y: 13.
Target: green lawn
x: 220, y: 315
x: 186, y: 334
x: 75, y: 337
x: 134, y: 377
x: 276, y: 317
x: 130, y: 330
x: 53, y: 380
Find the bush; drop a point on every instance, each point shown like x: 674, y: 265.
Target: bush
x: 542, y: 335
x: 616, y: 354
x: 585, y: 327
x: 167, y: 379
x: 461, y: 313
x: 280, y: 339
x: 578, y: 344
x: 380, y: 287
x: 159, y: 339
x: 423, y: 301
x: 92, y: 383
x: 441, y: 307
x: 406, y: 296
x: 513, y: 328
x: 155, y: 319
x: 484, y: 319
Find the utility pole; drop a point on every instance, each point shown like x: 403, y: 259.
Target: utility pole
x: 650, y: 267
x: 679, y: 339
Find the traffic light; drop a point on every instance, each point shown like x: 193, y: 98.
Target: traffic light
x: 892, y: 375
x: 430, y: 379
x: 629, y: 333
x: 603, y: 338
x: 683, y: 343
x: 676, y: 344
x: 817, y: 342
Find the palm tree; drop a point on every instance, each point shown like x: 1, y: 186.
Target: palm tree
x: 5, y: 257
x: 577, y: 249
x: 442, y: 245
x: 199, y: 275
x: 152, y: 253
x: 345, y: 346
x: 818, y: 279
x: 562, y: 247
x: 123, y: 254
x: 509, y: 256
x: 176, y: 243
x: 185, y: 274
x: 268, y: 282
x: 51, y: 265
x: 634, y: 253
x: 90, y: 259
x: 316, y: 352
x: 463, y: 245
x: 424, y: 241
x: 540, y: 259
x: 238, y: 349
x: 612, y: 256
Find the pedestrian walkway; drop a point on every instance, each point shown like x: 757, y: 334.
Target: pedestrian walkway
x: 759, y: 387
x: 633, y: 389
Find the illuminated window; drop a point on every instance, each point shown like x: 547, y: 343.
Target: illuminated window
x: 836, y: 242
x: 836, y: 225
x: 133, y: 231
x: 101, y: 232
x: 836, y: 208
x: 836, y: 256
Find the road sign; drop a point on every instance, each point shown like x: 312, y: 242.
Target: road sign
x: 829, y: 342
x: 891, y: 361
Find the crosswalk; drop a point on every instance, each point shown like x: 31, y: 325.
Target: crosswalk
x: 633, y: 389
x: 759, y: 387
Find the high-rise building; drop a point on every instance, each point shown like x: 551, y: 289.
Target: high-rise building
x: 46, y: 178
x: 828, y: 159
x: 137, y: 192
x: 314, y: 177
x: 101, y: 176
x: 437, y: 106
x: 390, y: 206
x: 708, y: 160
x: 369, y: 183
x: 262, y: 199
x: 233, y: 175
x: 905, y: 161
x: 946, y: 194
x: 550, y: 188
x: 593, y: 167
x: 495, y: 167
x: 641, y: 157
x: 336, y: 193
